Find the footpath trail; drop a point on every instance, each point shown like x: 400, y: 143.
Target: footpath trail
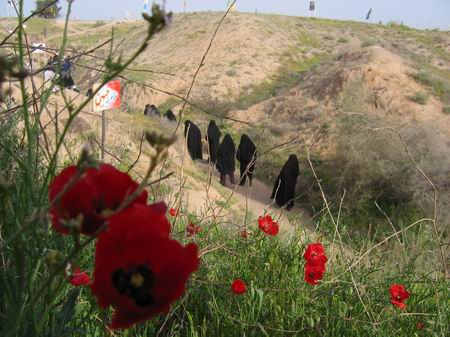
x: 255, y: 201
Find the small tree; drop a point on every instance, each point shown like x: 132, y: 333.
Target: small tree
x: 50, y: 12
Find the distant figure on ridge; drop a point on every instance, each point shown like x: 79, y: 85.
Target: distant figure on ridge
x: 154, y: 111
x: 246, y: 155
x: 151, y: 110
x: 225, y: 160
x: 284, y: 188
x: 147, y: 110
x: 213, y: 139
x: 170, y: 116
x: 194, y: 140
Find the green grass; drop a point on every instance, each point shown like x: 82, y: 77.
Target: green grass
x: 367, y: 42
x: 288, y: 75
x: 419, y: 98
x: 440, y: 87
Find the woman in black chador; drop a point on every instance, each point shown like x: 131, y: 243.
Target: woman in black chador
x: 147, y: 110
x: 225, y: 159
x: 213, y: 139
x: 246, y: 155
x: 170, y: 116
x: 153, y: 111
x: 284, y: 189
x: 194, y: 140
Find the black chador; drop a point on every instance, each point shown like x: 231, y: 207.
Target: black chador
x: 170, y: 116
x: 194, y: 140
x: 225, y: 159
x: 284, y: 189
x: 246, y: 155
x: 151, y: 110
x: 154, y: 111
x: 146, y: 109
x: 213, y: 139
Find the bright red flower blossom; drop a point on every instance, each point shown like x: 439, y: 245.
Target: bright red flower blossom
x: 268, y: 226
x: 173, y: 212
x: 315, y: 265
x: 91, y: 199
x: 314, y: 273
x: 139, y: 270
x: 238, y: 287
x: 398, y: 295
x: 318, y: 260
x: 313, y: 250
x: 80, y: 278
x: 193, y: 229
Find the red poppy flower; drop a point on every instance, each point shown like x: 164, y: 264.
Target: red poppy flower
x: 91, y: 199
x: 193, y: 229
x: 398, y: 295
x: 139, y: 270
x: 238, y: 287
x: 313, y: 250
x: 268, y: 226
x: 314, y: 273
x: 173, y: 212
x: 80, y: 278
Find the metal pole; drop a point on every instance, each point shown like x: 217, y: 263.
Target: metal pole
x: 56, y: 130
x: 103, y: 134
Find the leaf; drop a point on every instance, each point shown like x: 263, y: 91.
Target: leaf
x: 67, y: 311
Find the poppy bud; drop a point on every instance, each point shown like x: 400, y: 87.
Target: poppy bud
x: 53, y: 258
x: 238, y: 287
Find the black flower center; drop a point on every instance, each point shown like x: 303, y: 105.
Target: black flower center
x: 136, y: 283
x: 104, y: 211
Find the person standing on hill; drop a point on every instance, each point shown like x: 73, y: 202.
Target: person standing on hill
x: 284, y: 188
x: 147, y: 110
x: 225, y: 160
x: 213, y: 138
x: 193, y: 139
x: 246, y: 155
x: 170, y: 116
x: 154, y: 111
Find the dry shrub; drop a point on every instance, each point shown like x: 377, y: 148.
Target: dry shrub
x: 374, y: 165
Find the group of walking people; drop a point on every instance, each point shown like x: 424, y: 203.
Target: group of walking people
x: 222, y: 155
x: 153, y: 111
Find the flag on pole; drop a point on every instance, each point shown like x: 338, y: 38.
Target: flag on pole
x: 145, y: 9
x: 369, y: 13
x: 312, y: 8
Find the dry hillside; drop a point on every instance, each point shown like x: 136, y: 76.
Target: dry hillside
x: 292, y: 79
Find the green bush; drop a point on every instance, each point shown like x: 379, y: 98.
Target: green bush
x: 419, y: 98
x: 368, y: 42
x: 99, y: 23
x: 440, y: 87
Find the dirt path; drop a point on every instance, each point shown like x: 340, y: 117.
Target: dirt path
x: 255, y: 201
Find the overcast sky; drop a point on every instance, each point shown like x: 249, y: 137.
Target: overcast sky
x: 415, y: 13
